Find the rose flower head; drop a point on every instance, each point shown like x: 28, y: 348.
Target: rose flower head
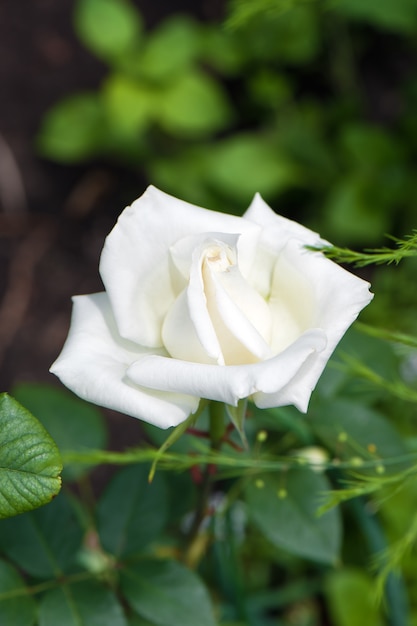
x: 200, y: 304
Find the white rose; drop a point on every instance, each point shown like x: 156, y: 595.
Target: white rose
x: 199, y: 304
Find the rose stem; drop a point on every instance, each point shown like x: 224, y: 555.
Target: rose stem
x: 217, y: 431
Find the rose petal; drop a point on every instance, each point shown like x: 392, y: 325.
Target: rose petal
x: 184, y: 251
x: 240, y: 316
x: 94, y: 361
x: 298, y: 390
x: 228, y: 383
x: 338, y: 298
x: 179, y: 331
x: 188, y: 332
x: 291, y: 299
x: 135, y: 262
x: 338, y: 295
x: 277, y: 230
x: 219, y: 318
x: 275, y: 234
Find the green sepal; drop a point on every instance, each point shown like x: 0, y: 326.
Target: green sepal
x: 174, y: 436
x: 237, y: 415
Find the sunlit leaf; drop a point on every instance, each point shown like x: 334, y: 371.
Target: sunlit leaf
x: 244, y: 163
x: 193, y: 105
x: 129, y: 104
x: 72, y: 130
x: 108, y: 27
x: 170, y: 49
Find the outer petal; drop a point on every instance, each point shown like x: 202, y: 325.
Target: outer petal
x: 275, y: 234
x: 135, y: 262
x: 275, y: 225
x: 339, y: 297
x: 94, y: 361
x: 228, y: 383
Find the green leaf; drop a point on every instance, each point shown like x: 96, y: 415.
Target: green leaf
x: 135, y: 620
x: 132, y: 512
x: 300, y: 134
x: 352, y: 216
x: 45, y: 542
x: 85, y: 604
x: 357, y: 433
x: 350, y: 597
x: 285, y: 419
x: 129, y: 104
x: 19, y: 610
x: 270, y: 89
x: 193, y: 105
x: 30, y: 463
x: 108, y: 27
x: 170, y: 49
x: 285, y: 507
x: 287, y: 36
x: 245, y: 163
x: 220, y: 50
x: 183, y: 176
x: 74, y: 424
x: 72, y: 130
x: 394, y: 15
x: 337, y: 379
x: 167, y: 593
x: 298, y: 34
x: 369, y: 148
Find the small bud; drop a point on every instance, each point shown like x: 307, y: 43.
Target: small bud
x: 262, y: 436
x: 259, y: 483
x: 371, y: 448
x: 380, y: 469
x: 313, y: 456
x: 282, y: 493
x: 342, y: 437
x: 356, y: 461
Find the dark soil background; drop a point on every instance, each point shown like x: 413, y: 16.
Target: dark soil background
x: 53, y: 219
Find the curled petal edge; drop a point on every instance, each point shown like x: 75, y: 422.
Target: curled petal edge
x: 228, y: 383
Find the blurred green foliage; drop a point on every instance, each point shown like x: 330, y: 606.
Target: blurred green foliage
x: 279, y: 99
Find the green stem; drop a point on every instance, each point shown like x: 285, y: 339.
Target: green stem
x: 217, y: 425
x: 47, y: 585
x: 217, y: 430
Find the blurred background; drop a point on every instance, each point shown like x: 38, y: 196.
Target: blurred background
x: 310, y: 102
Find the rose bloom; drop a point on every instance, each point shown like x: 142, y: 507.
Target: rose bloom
x: 200, y: 304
